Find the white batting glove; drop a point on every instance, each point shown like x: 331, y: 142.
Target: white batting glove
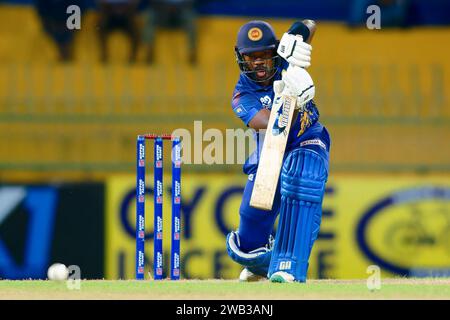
x: 294, y: 50
x: 278, y: 86
x: 298, y: 82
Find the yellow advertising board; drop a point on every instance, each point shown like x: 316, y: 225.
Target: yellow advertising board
x: 399, y: 223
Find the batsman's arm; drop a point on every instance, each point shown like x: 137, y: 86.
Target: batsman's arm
x: 307, y: 29
x: 260, y: 120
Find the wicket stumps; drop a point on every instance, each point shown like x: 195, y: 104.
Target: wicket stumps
x: 158, y: 206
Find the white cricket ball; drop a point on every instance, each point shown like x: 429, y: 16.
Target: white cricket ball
x: 57, y: 271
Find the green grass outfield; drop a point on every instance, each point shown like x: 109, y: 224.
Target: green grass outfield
x: 227, y: 290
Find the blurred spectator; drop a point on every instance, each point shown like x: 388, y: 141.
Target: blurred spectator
x: 122, y: 15
x: 170, y: 14
x: 54, y: 17
x: 394, y: 13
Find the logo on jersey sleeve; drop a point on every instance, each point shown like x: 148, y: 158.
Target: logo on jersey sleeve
x: 239, y: 109
x: 266, y: 102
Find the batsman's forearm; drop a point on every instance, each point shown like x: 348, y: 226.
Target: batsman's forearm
x: 261, y: 120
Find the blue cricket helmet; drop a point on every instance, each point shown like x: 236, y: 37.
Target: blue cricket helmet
x: 256, y: 36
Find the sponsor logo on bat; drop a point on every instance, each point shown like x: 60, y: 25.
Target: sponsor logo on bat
x: 282, y: 119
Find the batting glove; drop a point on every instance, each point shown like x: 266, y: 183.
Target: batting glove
x: 295, y: 51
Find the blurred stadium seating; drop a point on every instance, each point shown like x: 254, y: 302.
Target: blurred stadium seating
x: 383, y: 94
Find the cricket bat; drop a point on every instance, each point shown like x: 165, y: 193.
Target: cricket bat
x: 275, y: 140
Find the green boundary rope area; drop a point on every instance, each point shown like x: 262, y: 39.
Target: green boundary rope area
x: 438, y: 288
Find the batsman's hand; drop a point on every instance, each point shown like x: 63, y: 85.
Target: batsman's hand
x: 296, y: 82
x: 294, y: 50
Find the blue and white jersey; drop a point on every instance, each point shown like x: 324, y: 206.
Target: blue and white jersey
x: 250, y: 97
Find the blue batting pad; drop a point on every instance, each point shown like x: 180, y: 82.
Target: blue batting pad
x: 303, y: 179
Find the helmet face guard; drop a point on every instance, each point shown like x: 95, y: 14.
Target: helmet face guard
x: 251, y: 73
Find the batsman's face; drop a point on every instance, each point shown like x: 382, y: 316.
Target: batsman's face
x: 261, y: 62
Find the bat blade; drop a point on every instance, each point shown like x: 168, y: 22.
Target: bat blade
x: 274, y: 145
x: 272, y: 153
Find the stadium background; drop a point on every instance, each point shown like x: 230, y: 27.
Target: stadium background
x: 67, y: 141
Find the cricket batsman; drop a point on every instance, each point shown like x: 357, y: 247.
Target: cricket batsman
x: 269, y: 67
